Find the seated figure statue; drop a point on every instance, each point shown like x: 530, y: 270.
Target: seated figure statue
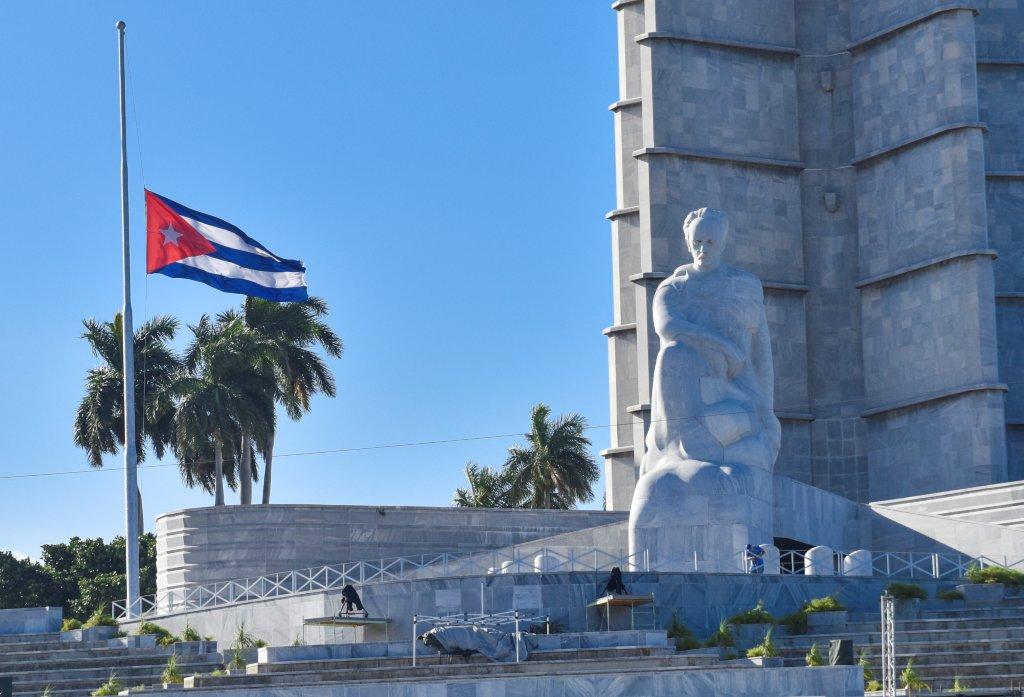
x: 705, y: 487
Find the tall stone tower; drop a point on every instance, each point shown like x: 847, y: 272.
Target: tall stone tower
x: 869, y: 155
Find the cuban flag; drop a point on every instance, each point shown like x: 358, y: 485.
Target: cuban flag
x: 183, y: 243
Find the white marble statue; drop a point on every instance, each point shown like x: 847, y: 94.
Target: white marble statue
x: 705, y: 482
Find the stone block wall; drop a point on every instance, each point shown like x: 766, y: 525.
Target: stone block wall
x: 867, y: 154
x: 203, y: 545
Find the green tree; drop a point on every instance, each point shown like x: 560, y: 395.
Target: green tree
x: 99, y: 421
x: 555, y: 468
x: 91, y: 572
x: 25, y: 583
x: 488, y: 488
x: 224, y: 390
x: 295, y: 330
x: 80, y: 575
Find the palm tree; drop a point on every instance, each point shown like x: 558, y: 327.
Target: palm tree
x: 555, y: 469
x: 487, y: 489
x: 99, y: 421
x: 226, y: 388
x: 294, y: 330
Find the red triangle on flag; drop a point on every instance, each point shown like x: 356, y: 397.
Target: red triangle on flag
x: 169, y: 237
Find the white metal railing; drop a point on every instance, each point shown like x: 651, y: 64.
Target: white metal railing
x: 528, y: 559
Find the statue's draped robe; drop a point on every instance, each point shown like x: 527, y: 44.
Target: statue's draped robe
x: 704, y: 491
x: 711, y: 324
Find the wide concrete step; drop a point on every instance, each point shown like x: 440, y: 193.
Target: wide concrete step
x: 432, y: 658
x: 29, y: 638
x: 12, y: 661
x: 390, y: 673
x: 875, y: 638
x: 70, y: 670
x: 948, y: 646
x: 944, y: 623
x: 84, y: 681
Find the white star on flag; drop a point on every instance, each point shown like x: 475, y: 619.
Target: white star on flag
x: 170, y: 235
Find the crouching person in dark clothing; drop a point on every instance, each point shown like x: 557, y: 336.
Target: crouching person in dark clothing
x: 615, y: 586
x: 350, y: 601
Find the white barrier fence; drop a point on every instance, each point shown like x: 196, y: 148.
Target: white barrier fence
x: 816, y: 561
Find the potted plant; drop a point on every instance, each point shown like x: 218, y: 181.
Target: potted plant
x: 749, y: 627
x: 766, y: 651
x: 825, y: 612
x: 908, y: 598
x: 988, y: 584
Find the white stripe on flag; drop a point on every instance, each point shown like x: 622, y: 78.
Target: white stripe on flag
x: 219, y: 235
x: 267, y: 279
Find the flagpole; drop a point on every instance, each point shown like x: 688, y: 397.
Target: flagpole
x: 131, y: 487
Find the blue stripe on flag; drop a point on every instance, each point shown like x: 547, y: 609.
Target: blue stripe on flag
x: 234, y: 285
x: 256, y: 262
x: 217, y: 222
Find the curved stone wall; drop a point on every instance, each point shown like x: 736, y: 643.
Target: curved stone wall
x: 200, y: 545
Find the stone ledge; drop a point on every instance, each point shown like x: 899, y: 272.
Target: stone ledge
x: 619, y: 329
x: 752, y: 46
x: 621, y: 212
x: 785, y: 287
x: 649, y: 276
x: 909, y: 142
x: 882, y: 34
x: 612, y: 452
x: 1005, y: 174
x: 623, y: 103
x: 619, y: 4
x: 1001, y: 62
x: 794, y: 415
x: 935, y: 396
x: 1010, y: 296
x: 691, y: 154
x: 637, y: 408
x: 921, y: 265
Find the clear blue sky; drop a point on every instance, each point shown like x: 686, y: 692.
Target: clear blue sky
x: 442, y: 169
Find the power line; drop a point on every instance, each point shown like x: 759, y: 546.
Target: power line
x: 364, y: 448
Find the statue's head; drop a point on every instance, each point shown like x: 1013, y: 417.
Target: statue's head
x: 706, y: 231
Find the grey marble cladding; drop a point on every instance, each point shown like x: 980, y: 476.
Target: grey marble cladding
x: 898, y: 123
x: 969, y: 430
x: 939, y: 208
x: 929, y: 331
x: 722, y: 101
x: 201, y: 545
x: 30, y: 620
x: 1001, y: 107
x: 1006, y: 232
x: 766, y: 21
x: 872, y: 17
x: 917, y: 81
x: 831, y: 681
x: 999, y: 29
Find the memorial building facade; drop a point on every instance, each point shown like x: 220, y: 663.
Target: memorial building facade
x: 869, y: 156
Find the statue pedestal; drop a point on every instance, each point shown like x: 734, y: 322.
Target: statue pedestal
x: 699, y: 516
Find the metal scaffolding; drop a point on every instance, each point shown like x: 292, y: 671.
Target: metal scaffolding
x: 888, y: 645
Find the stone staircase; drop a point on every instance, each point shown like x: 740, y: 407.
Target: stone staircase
x: 994, y: 504
x: 982, y: 645
x: 76, y: 668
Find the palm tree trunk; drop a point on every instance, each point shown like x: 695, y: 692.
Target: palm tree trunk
x: 218, y: 470
x: 268, y: 459
x: 245, y: 471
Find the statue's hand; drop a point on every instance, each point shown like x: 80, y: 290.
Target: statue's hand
x: 736, y: 362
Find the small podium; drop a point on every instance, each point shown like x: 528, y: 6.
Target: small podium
x: 343, y: 621
x: 622, y: 605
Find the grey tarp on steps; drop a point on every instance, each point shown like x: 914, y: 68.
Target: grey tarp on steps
x: 465, y: 639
